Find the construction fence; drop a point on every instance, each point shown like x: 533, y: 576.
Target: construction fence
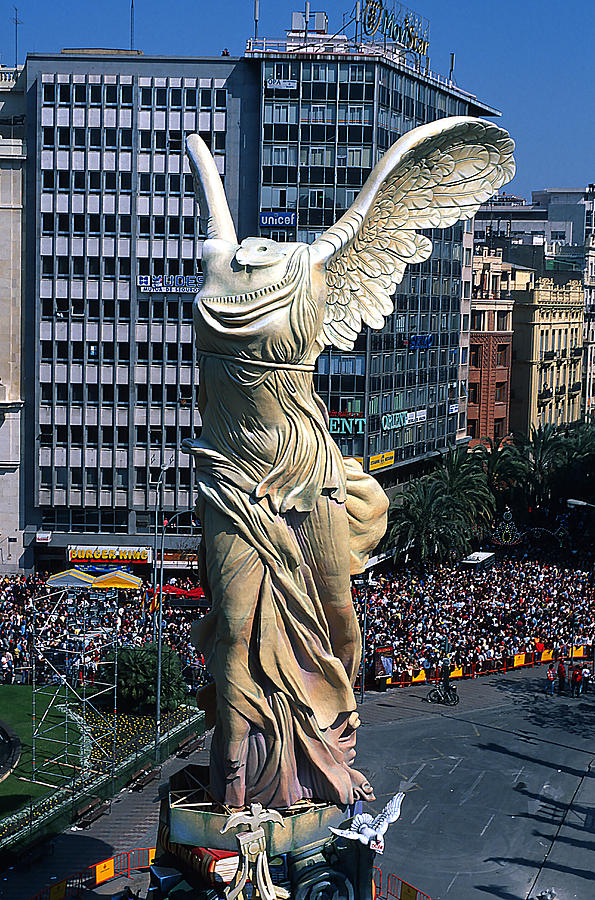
x: 124, y: 863
x: 386, y: 674
x: 395, y: 888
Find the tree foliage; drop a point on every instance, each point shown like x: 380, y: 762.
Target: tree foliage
x: 441, y: 515
x: 429, y: 524
x: 137, y: 679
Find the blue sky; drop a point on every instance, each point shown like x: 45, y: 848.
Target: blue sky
x: 533, y: 60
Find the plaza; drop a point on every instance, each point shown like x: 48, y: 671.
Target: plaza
x: 499, y: 795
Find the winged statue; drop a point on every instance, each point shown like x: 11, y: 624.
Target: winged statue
x: 369, y: 830
x: 285, y: 518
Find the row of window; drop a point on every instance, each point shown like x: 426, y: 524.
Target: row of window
x: 122, y: 95
x: 156, y: 310
x: 109, y: 351
x: 109, y: 267
x: 144, y: 435
x: 156, y: 394
x: 476, y: 354
x: 287, y: 155
x: 106, y: 477
x: 500, y: 392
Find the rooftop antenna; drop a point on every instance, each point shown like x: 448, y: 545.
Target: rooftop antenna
x: 452, y: 67
x: 256, y: 17
x: 358, y: 20
x: 306, y: 21
x: 132, y: 24
x: 17, y: 22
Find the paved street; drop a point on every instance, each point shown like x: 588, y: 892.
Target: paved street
x: 500, y: 803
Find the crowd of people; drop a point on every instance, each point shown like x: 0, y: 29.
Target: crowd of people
x: 472, y: 619
x: 71, y: 638
x: 476, y: 619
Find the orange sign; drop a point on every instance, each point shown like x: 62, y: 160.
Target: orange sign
x: 408, y: 892
x: 104, y: 870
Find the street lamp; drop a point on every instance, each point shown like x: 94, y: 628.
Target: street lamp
x: 164, y: 525
x: 573, y: 502
x: 158, y: 511
x: 361, y: 583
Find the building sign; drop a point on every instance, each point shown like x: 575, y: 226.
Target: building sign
x: 381, y: 460
x: 84, y: 552
x: 420, y: 341
x: 453, y: 408
x: 277, y: 218
x: 282, y: 84
x: 392, y: 421
x: 346, y: 425
x: 399, y: 24
x: 169, y: 284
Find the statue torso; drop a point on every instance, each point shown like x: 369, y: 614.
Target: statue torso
x: 260, y: 410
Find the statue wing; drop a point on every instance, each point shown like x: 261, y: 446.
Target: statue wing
x: 342, y: 832
x: 430, y: 178
x: 389, y: 814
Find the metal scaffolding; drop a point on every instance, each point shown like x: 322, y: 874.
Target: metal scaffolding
x: 74, y: 675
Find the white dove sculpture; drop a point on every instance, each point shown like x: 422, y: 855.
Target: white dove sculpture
x: 369, y: 830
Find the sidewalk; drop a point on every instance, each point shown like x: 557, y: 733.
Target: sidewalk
x: 568, y: 867
x: 131, y: 823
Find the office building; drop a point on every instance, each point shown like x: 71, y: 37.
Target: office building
x: 490, y: 347
x: 546, y: 379
x: 12, y: 157
x: 331, y: 108
x: 553, y: 233
x: 114, y: 248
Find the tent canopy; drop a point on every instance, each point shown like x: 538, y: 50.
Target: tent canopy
x: 124, y: 581
x: 70, y: 578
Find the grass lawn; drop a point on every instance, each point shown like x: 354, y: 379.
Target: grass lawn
x: 16, y: 710
x: 17, y: 790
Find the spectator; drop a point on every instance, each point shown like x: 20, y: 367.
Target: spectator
x: 549, y: 681
x: 575, y: 682
x: 561, y: 677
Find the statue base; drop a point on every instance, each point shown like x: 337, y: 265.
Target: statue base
x: 281, y: 854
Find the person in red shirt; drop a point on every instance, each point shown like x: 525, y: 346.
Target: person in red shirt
x: 561, y: 677
x: 576, y: 682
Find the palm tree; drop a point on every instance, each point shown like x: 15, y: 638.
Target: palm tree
x: 575, y: 476
x: 462, y: 477
x: 543, y: 454
x: 503, y: 467
x: 428, y: 525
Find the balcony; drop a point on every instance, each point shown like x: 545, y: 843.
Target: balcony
x: 545, y: 394
x: 577, y: 351
x: 548, y: 355
x: 561, y: 391
x: 576, y: 388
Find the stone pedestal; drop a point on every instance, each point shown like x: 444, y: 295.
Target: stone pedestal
x: 305, y: 860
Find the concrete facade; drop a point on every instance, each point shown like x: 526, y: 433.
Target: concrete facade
x: 12, y: 157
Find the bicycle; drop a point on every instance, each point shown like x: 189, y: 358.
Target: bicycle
x: 450, y: 697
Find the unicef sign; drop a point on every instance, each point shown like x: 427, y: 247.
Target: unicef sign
x: 401, y: 25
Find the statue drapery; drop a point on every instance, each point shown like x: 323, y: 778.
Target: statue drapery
x: 285, y: 519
